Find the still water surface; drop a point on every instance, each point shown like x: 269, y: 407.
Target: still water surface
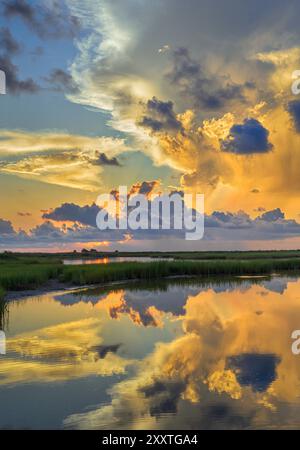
x: 116, y: 259
x: 194, y: 355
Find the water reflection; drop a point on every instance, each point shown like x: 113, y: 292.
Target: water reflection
x: 180, y: 355
x: 111, y: 260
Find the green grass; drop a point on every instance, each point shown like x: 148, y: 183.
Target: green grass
x: 254, y: 255
x: 94, y: 274
x: 20, y: 275
x: 45, y: 258
x: 14, y: 258
x: 2, y: 293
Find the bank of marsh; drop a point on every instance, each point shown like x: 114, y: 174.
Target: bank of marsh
x: 21, y: 275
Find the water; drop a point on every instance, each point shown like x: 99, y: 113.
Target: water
x: 182, y: 355
x: 107, y: 260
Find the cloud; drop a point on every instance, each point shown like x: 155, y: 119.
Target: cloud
x: 211, y: 361
x: 198, y: 93
x: 160, y: 116
x: 75, y: 169
x: 146, y: 188
x: 8, y: 47
x: 19, y: 8
x: 8, y: 44
x: 247, y: 138
x: 103, y: 160
x: 294, y: 110
x: 47, y: 235
x: 271, y: 216
x: 19, y: 141
x: 58, y: 158
x: 272, y: 222
x: 204, y: 90
x: 76, y: 345
x: 24, y: 214
x: 219, y: 226
x: 51, y: 21
x: 86, y: 215
x: 6, y: 228
x: 13, y: 83
x: 60, y: 80
x: 71, y: 224
x: 238, y: 220
x: 212, y: 87
x: 269, y: 225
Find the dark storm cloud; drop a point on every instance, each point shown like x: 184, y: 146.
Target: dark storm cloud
x: 144, y: 188
x: 54, y: 22
x: 104, y: 350
x: 13, y: 83
x: 204, y: 90
x: 61, y: 81
x: 160, y: 116
x: 294, y: 110
x: 46, y: 230
x: 104, y: 160
x: 220, y: 219
x: 9, y: 47
x: 241, y: 220
x: 247, y: 138
x: 8, y: 44
x: 19, y: 8
x: 270, y: 216
x: 229, y: 226
x: 6, y: 227
x: 165, y: 396
x: 86, y: 215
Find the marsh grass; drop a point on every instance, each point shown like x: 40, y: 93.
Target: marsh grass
x: 2, y: 293
x: 45, y: 258
x: 94, y: 274
x: 16, y: 277
x: 20, y: 276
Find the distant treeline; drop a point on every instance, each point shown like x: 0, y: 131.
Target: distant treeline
x: 204, y: 255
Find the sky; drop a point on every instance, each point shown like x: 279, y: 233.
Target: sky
x: 160, y: 96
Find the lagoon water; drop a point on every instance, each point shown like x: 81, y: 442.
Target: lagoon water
x: 111, y: 260
x: 179, y: 355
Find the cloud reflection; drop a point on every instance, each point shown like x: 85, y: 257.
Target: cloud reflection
x: 60, y: 353
x: 229, y: 369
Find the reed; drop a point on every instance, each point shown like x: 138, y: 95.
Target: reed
x: 20, y: 276
x: 94, y: 274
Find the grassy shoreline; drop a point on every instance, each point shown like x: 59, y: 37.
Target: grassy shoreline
x: 196, y: 255
x: 21, y: 275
